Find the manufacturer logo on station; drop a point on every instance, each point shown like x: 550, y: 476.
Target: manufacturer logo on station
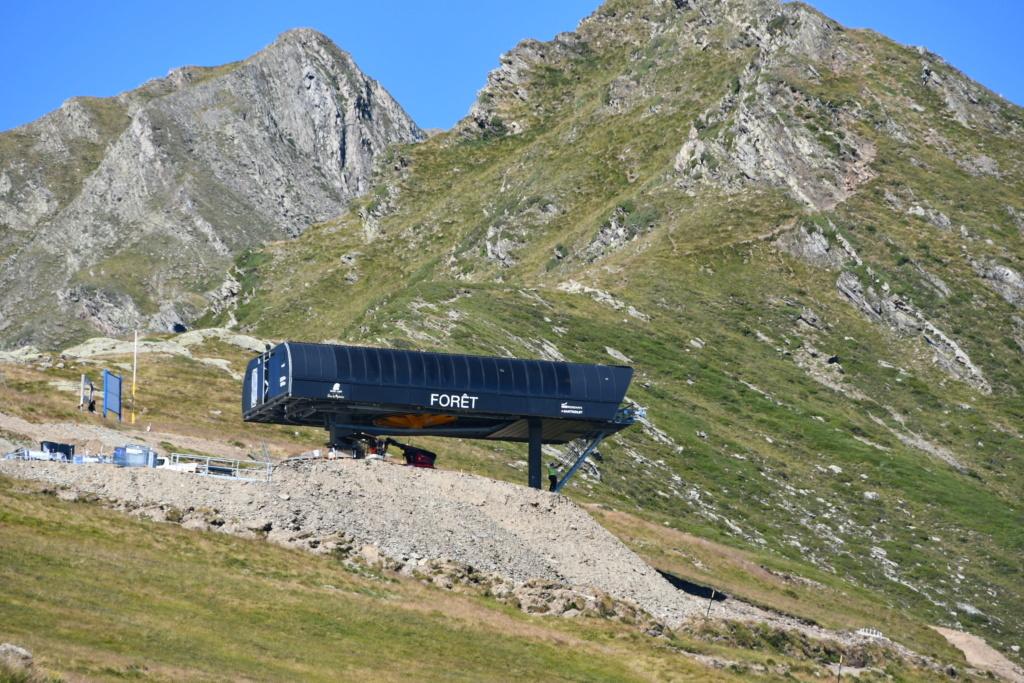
x: 571, y: 409
x: 336, y: 391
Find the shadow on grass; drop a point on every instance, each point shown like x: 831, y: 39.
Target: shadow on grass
x: 706, y: 592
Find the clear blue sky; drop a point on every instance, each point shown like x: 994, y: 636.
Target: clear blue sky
x: 433, y: 55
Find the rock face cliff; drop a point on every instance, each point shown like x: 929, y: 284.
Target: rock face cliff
x: 126, y: 212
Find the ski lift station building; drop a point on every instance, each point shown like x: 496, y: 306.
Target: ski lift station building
x: 357, y: 392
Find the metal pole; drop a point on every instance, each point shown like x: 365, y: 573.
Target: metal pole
x: 710, y: 600
x: 534, y: 453
x: 580, y: 459
x: 135, y: 365
x: 839, y: 672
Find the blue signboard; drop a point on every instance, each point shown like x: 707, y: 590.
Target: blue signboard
x: 111, y: 394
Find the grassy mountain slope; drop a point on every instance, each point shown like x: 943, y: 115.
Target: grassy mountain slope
x: 42, y: 395
x: 763, y: 212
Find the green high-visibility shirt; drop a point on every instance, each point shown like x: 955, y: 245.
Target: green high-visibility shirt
x: 552, y: 472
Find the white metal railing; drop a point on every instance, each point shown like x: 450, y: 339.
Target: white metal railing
x: 208, y: 466
x: 21, y: 453
x: 24, y: 453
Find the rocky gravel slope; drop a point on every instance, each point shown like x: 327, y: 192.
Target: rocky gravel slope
x: 407, y: 515
x: 535, y: 549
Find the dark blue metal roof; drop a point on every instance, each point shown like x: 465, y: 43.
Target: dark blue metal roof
x: 451, y: 372
x: 394, y: 391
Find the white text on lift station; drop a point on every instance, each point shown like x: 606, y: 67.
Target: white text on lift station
x: 465, y: 401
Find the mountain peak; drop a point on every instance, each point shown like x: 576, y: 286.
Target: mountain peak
x: 182, y: 174
x: 303, y: 36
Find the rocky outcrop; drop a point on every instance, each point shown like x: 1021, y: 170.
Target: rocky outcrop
x: 936, y: 218
x: 509, y: 231
x: 1006, y: 281
x: 811, y: 246
x: 965, y: 101
x: 901, y: 317
x: 511, y: 83
x: 825, y: 369
x: 916, y: 441
x: 889, y: 309
x: 123, y: 210
x: 764, y: 141
x: 620, y: 229
x: 762, y: 132
x: 1017, y: 216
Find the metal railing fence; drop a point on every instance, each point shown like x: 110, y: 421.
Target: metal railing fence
x: 208, y: 466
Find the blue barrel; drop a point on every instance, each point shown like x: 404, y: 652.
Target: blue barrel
x: 135, y: 456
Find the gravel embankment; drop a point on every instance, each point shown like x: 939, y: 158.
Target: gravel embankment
x: 407, y: 514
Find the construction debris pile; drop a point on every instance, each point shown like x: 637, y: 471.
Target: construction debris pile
x: 409, y: 516
x: 524, y: 546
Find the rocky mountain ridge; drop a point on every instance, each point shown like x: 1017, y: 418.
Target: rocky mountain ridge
x: 123, y: 213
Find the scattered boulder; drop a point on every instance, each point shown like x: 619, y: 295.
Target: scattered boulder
x: 15, y: 657
x: 617, y: 355
x: 68, y: 495
x: 936, y: 218
x: 371, y: 555
x: 811, y: 246
x: 540, y: 596
x: 259, y: 525
x: 1006, y: 281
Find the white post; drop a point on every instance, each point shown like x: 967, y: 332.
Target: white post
x: 81, y: 394
x: 135, y: 366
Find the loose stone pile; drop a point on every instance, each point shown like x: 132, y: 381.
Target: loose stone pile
x: 411, y: 519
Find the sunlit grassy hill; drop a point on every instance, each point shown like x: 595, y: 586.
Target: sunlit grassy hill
x: 804, y: 238
x: 807, y: 240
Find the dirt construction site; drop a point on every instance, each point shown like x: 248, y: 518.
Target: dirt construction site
x: 409, y: 518
x: 541, y: 550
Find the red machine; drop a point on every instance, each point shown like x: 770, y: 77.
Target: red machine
x: 414, y: 457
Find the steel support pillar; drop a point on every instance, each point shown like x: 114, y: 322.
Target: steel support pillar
x: 534, y: 459
x: 595, y: 441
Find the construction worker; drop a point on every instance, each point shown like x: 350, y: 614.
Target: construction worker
x: 552, y: 475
